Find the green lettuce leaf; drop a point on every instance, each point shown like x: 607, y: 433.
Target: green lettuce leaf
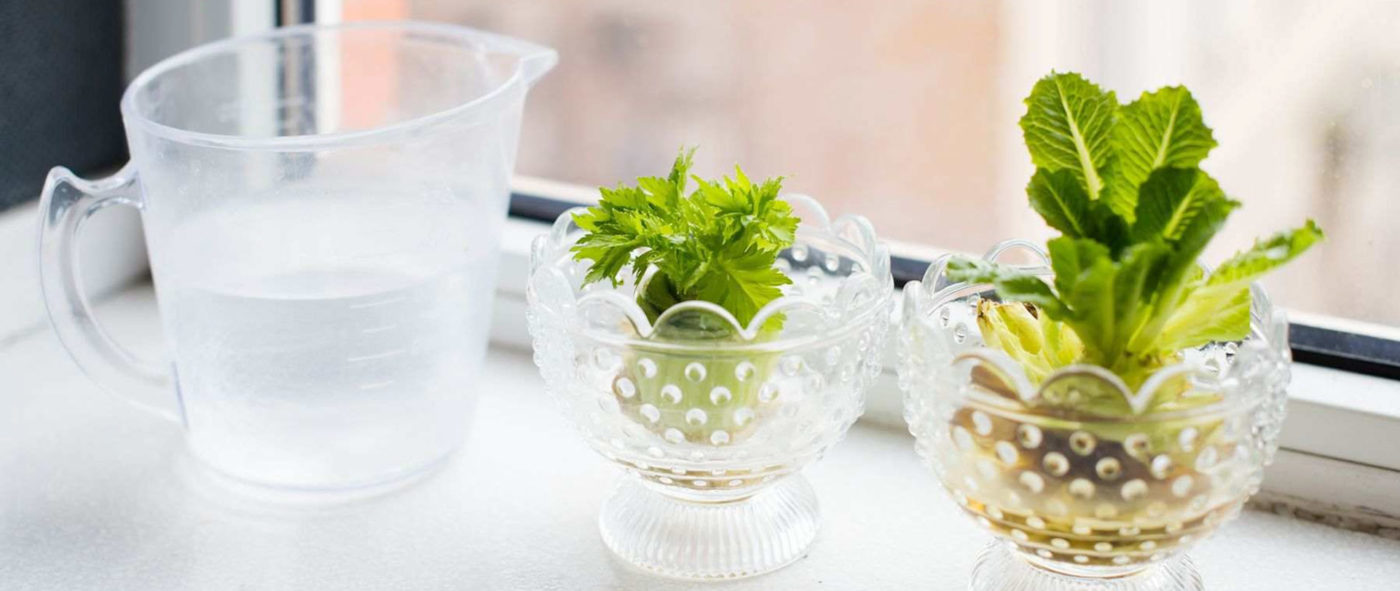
x: 1217, y: 309
x: 1265, y: 256
x: 1123, y: 186
x: 1084, y: 276
x: 1159, y: 129
x: 1011, y: 284
x: 1105, y: 301
x: 1059, y: 197
x: 1170, y: 199
x: 1068, y: 126
x: 1207, y: 317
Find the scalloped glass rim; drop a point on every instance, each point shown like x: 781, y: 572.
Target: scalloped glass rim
x: 1268, y: 336
x: 852, y: 231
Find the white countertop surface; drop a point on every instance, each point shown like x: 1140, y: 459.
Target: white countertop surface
x: 96, y: 494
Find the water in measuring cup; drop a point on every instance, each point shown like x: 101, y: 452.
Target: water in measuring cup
x: 328, y: 344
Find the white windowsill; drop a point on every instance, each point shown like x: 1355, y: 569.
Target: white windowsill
x: 1341, y: 457
x: 98, y: 495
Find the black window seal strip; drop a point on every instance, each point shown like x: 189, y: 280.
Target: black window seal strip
x: 1313, y: 345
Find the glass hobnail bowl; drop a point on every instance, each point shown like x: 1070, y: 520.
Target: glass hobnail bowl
x: 1077, y: 500
x: 713, y: 420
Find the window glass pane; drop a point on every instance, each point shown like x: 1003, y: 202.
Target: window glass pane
x: 906, y: 111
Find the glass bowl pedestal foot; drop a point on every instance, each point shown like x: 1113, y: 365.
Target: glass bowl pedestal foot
x: 997, y: 569
x: 694, y: 539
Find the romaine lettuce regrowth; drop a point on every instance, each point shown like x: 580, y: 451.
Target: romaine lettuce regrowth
x: 1123, y: 186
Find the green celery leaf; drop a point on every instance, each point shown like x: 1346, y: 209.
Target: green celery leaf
x: 725, y: 199
x: 742, y: 282
x: 778, y: 228
x: 716, y: 244
x: 1068, y: 125
x: 1159, y: 129
x: 680, y: 170
x: 609, y: 257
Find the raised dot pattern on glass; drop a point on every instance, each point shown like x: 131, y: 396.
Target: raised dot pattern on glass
x: 1087, y: 502
x: 1081, y: 497
x: 726, y: 424
x: 726, y: 406
x: 720, y: 408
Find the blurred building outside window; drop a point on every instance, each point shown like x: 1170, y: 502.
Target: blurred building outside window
x: 905, y: 111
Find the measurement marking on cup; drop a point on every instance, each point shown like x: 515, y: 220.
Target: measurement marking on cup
x: 393, y: 353
x: 378, y: 329
x: 383, y: 302
x: 375, y: 385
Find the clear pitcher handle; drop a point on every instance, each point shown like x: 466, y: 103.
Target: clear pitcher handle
x: 67, y: 202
